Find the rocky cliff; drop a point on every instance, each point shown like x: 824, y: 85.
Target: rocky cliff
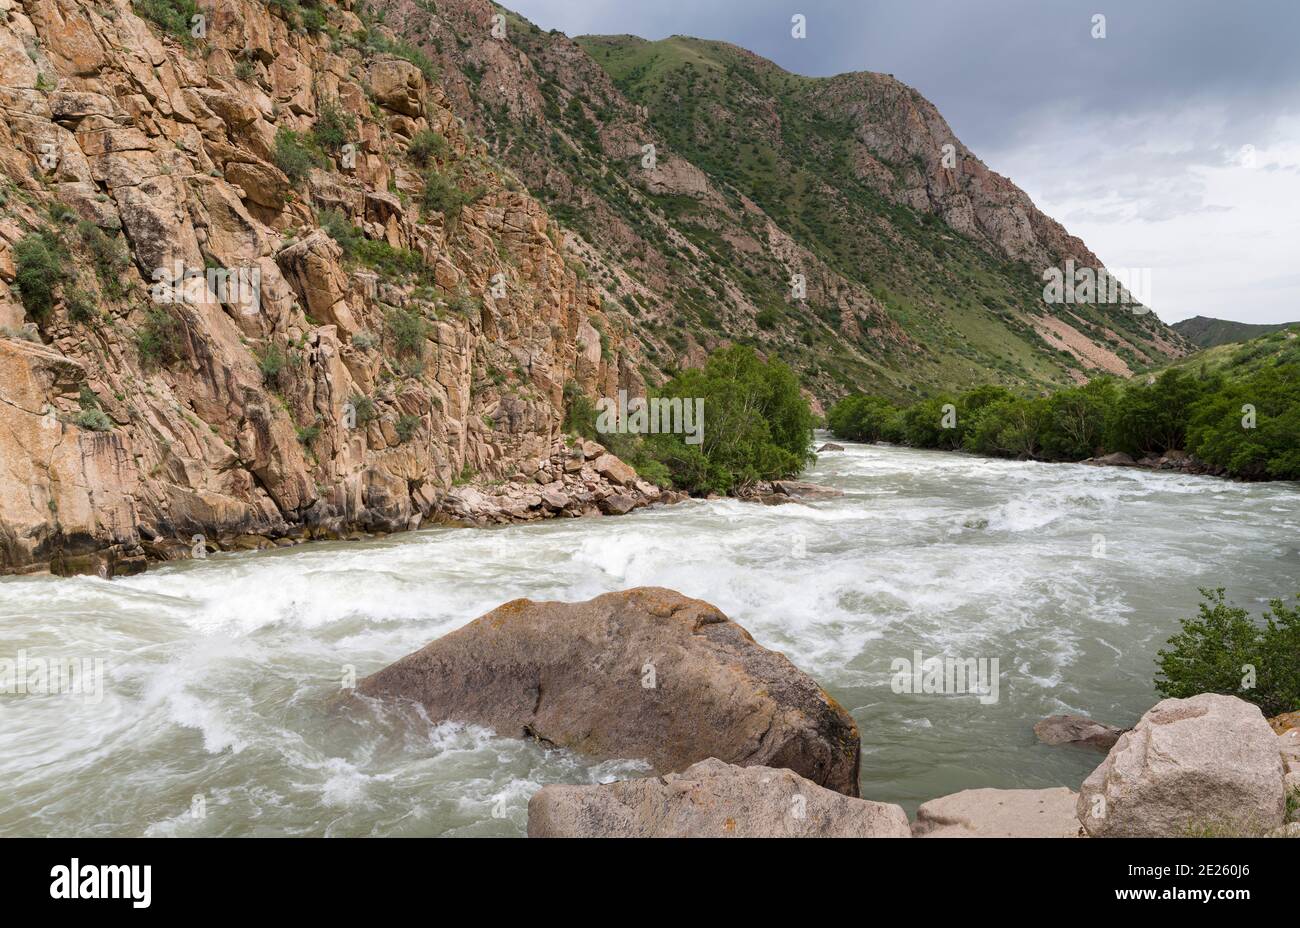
x: 919, y: 266
x: 285, y: 269
x: 185, y: 352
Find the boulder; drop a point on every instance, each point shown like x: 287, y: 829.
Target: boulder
x: 830, y: 446
x: 1000, y: 813
x: 1210, y: 762
x: 645, y: 673
x: 613, y: 468
x: 711, y: 799
x: 798, y: 489
x: 1289, y: 744
x: 1078, y: 730
x: 398, y: 85
x: 617, y: 504
x: 1118, y: 459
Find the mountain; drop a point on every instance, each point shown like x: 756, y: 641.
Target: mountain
x: 299, y: 268
x: 1209, y: 333
x: 919, y: 275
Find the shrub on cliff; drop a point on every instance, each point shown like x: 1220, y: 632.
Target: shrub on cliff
x: 1223, y: 651
x: 39, y: 260
x: 172, y: 16
x: 296, y: 155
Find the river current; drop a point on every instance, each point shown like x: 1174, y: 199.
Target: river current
x: 213, y: 716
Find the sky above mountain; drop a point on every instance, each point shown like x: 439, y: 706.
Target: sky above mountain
x: 1173, y: 143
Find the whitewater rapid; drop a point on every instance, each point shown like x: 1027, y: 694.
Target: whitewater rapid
x: 214, y: 717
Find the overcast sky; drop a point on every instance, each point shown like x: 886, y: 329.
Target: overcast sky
x: 1173, y: 143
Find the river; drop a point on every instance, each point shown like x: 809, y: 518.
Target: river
x: 213, y: 717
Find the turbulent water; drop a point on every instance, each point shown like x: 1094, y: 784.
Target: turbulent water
x: 214, y: 717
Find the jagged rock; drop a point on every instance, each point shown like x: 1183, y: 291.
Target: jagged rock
x: 1000, y: 813
x: 1075, y: 729
x: 612, y: 468
x: 1117, y: 459
x: 398, y: 85
x: 830, y: 446
x: 617, y: 504
x: 646, y: 673
x: 711, y: 799
x: 1210, y: 762
x: 798, y: 489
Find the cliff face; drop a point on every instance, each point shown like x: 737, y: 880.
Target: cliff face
x: 279, y: 272
x: 151, y: 397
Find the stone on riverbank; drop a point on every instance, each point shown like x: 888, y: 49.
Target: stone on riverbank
x: 1077, y: 730
x: 1205, y: 764
x: 711, y: 799
x: 643, y: 673
x: 1000, y: 813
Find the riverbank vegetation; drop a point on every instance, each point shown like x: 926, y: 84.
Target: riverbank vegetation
x: 1223, y: 650
x: 756, y: 425
x: 1237, y: 412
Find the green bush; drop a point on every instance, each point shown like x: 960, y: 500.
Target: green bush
x: 109, y: 255
x: 1216, y: 651
x: 93, y: 420
x: 172, y: 16
x: 407, y: 425
x: 426, y: 145
x: 39, y: 260
x: 364, y: 408
x: 408, y: 331
x: 272, y: 362
x: 866, y: 418
x: 334, y: 126
x: 443, y: 194
x: 296, y: 155
x: 338, y: 227
x: 159, y: 339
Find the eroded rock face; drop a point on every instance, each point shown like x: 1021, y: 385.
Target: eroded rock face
x: 711, y: 799
x: 645, y: 673
x: 1208, y: 763
x: 234, y: 414
x: 1077, y: 730
x: 1000, y: 813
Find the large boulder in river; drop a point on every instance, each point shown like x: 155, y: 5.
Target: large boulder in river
x: 1000, y: 813
x: 645, y: 673
x: 711, y: 800
x: 1077, y: 730
x: 1205, y: 764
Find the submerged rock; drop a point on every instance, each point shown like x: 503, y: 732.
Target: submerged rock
x: 711, y: 799
x: 1000, y: 813
x: 1209, y: 763
x: 1077, y: 730
x: 644, y: 673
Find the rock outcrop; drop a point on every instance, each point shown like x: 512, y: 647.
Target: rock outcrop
x: 645, y: 673
x: 1077, y: 730
x: 1000, y: 813
x: 260, y: 321
x: 711, y: 799
x: 1208, y: 764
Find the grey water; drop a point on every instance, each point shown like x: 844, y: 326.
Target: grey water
x: 213, y: 717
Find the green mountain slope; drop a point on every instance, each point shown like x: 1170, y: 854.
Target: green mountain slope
x: 922, y: 271
x: 1207, y: 332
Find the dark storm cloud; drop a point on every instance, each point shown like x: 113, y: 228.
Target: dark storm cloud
x: 993, y: 66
